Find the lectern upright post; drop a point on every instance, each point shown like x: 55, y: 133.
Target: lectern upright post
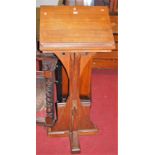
x: 74, y: 34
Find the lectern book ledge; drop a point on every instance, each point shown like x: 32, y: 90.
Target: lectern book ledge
x: 74, y: 28
x: 74, y: 34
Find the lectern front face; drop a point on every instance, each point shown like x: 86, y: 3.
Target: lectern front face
x: 73, y: 28
x: 73, y: 34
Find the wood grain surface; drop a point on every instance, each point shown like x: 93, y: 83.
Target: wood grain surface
x: 80, y: 27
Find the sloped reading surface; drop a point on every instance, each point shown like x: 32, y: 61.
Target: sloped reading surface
x: 80, y: 27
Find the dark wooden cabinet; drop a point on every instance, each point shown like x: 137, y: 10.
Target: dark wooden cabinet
x: 108, y: 60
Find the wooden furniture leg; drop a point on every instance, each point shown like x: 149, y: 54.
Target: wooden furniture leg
x: 75, y: 101
x: 74, y: 142
x: 85, y: 83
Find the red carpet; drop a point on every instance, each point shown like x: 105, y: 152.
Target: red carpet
x: 103, y: 114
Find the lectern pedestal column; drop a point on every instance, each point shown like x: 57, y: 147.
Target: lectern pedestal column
x: 73, y: 116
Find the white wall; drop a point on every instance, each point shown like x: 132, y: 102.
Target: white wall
x: 46, y: 2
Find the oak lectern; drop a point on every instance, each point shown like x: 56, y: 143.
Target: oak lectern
x: 74, y: 34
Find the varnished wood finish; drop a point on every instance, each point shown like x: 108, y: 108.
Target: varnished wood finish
x: 74, y: 34
x: 74, y: 2
x: 85, y: 83
x: 75, y: 145
x: 108, y: 60
x: 66, y: 111
x: 109, y: 63
x: 65, y: 83
x: 113, y: 6
x: 72, y: 29
x: 114, y: 23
